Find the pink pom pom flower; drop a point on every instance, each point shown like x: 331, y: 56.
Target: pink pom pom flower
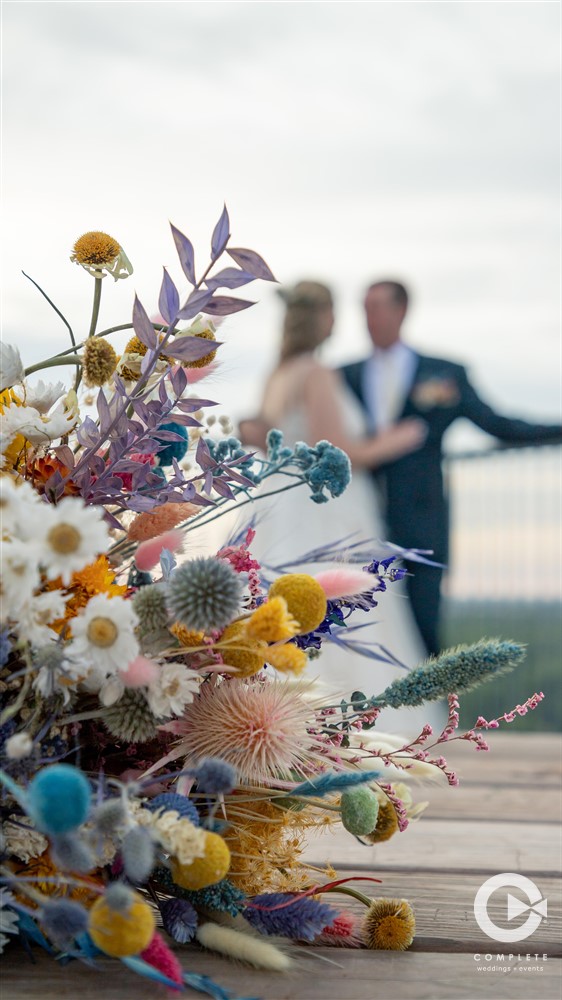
x: 140, y: 672
x: 344, y: 582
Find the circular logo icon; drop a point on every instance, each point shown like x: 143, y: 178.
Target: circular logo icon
x: 537, y: 907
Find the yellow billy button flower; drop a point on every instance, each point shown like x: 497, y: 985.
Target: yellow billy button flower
x: 97, y: 253
x: 389, y: 925
x: 306, y: 600
x: 121, y: 923
x: 240, y: 650
x: 272, y: 622
x: 287, y: 658
x: 206, y: 870
x: 99, y: 361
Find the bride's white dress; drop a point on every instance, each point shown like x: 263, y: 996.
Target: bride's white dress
x: 291, y: 524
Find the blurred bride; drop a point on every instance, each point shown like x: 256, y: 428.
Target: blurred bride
x: 309, y: 402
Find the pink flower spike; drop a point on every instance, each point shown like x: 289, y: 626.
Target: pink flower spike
x: 344, y: 582
x: 148, y: 553
x: 140, y: 672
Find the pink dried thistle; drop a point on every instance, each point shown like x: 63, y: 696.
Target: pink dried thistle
x: 260, y: 727
x: 148, y: 553
x: 344, y: 582
x: 162, y: 958
x: 151, y: 523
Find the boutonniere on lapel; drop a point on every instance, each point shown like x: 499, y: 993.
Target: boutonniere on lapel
x: 432, y: 392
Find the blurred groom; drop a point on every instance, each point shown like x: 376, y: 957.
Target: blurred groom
x: 397, y: 382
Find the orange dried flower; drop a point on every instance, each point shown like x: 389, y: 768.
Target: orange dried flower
x: 155, y: 522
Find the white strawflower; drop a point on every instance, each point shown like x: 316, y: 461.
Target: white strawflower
x: 20, y: 575
x: 18, y: 746
x: 35, y: 617
x: 111, y: 690
x: 173, y: 689
x: 104, y: 633
x: 18, y: 507
x: 38, y: 428
x: 23, y: 840
x: 176, y: 834
x: 11, y: 366
x: 8, y: 919
x: 41, y: 396
x: 72, y: 535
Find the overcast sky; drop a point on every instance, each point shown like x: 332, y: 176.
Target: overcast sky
x: 348, y: 140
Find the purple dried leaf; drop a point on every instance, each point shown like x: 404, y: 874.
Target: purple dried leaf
x: 169, y: 299
x: 208, y: 482
x: 189, y: 348
x: 251, y: 261
x: 221, y: 235
x: 222, y: 489
x: 225, y: 305
x: 178, y: 378
x: 230, y: 277
x: 185, y: 420
x: 88, y: 433
x: 143, y: 326
x: 194, y: 303
x: 185, y: 253
x: 190, y: 405
x: 203, y: 456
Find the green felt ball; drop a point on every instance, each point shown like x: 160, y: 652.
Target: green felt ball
x: 359, y: 809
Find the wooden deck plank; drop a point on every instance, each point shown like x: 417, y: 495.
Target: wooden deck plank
x: 461, y: 845
x: 524, y: 803
x: 349, y: 975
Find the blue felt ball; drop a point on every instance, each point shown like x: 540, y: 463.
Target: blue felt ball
x: 58, y: 798
x: 180, y: 803
x: 172, y: 449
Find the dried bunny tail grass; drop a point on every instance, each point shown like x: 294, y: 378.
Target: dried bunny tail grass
x: 244, y: 947
x: 344, y: 582
x: 149, y: 524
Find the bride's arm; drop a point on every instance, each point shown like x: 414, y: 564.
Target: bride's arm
x: 326, y: 422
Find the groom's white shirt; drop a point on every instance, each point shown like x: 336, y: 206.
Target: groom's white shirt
x: 387, y: 377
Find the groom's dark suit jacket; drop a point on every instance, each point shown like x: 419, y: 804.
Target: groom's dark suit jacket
x: 414, y: 501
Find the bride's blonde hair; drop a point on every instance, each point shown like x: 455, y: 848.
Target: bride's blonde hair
x: 303, y: 329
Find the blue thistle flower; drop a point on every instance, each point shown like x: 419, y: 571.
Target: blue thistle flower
x: 303, y: 919
x: 179, y: 919
x: 455, y: 670
x: 171, y: 801
x: 215, y: 775
x: 204, y: 594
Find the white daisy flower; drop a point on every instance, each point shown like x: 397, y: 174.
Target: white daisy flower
x: 20, y: 576
x: 41, y: 396
x: 173, y: 689
x: 35, y: 617
x: 11, y: 366
x: 104, y: 633
x: 18, y: 506
x: 72, y: 535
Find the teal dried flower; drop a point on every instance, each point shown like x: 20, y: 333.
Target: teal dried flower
x: 223, y: 896
x: 204, y: 594
x: 130, y: 719
x: 455, y: 670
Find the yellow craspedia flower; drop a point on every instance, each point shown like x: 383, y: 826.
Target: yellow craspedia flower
x: 206, y: 870
x: 97, y: 252
x: 387, y: 824
x: 121, y: 930
x: 306, y: 601
x: 99, y: 361
x: 288, y: 658
x: 272, y: 621
x: 239, y: 650
x: 389, y: 925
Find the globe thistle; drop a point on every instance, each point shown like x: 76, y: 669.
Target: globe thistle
x: 204, y: 594
x: 171, y: 801
x: 130, y: 719
x: 99, y: 361
x: 150, y: 606
x: 389, y: 925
